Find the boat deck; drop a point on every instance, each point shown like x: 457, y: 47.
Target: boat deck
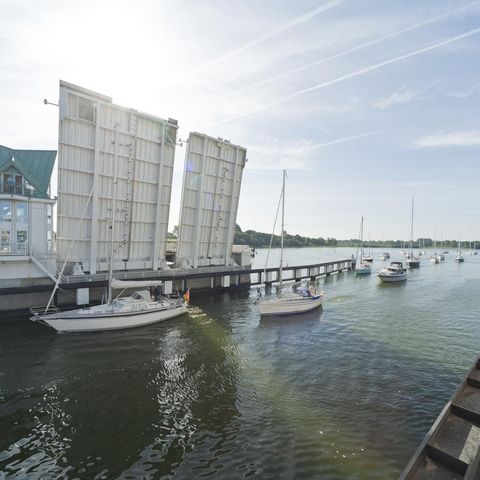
x: 451, y: 449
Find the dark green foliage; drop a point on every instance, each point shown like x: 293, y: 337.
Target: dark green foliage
x: 262, y: 240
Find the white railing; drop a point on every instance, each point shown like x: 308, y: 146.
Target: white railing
x: 147, y: 274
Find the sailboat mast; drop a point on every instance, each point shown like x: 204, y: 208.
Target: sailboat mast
x: 411, y: 231
x: 112, y: 224
x: 283, y: 227
x: 361, y: 241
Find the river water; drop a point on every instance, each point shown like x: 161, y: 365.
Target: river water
x: 345, y: 392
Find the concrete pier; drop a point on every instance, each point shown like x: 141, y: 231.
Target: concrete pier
x: 18, y: 299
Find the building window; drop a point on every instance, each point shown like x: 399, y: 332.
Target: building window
x: 4, y: 241
x: 21, y: 212
x: 5, y: 211
x: 49, y: 214
x: 21, y: 247
x: 8, y: 184
x: 18, y: 184
x: 86, y: 110
x: 12, y: 183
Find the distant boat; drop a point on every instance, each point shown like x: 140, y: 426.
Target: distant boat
x: 385, y: 256
x: 303, y: 300
x: 434, y: 258
x: 393, y: 273
x: 412, y: 261
x: 459, y: 257
x: 362, y: 266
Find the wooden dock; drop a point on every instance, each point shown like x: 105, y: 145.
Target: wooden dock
x: 451, y: 449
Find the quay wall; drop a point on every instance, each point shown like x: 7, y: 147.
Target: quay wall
x: 16, y: 300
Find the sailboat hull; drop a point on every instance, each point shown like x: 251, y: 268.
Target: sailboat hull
x: 93, y: 320
x: 289, y: 306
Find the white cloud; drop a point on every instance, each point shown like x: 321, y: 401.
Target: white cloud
x: 467, y: 92
x: 466, y: 138
x: 404, y: 95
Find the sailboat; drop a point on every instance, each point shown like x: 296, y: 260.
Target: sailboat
x: 303, y: 300
x: 412, y: 261
x: 434, y: 258
x: 143, y: 307
x: 368, y: 258
x: 361, y: 266
x: 459, y: 257
x: 441, y: 255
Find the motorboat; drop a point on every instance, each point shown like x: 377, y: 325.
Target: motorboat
x: 393, y: 273
x: 385, y: 256
x: 459, y: 257
x: 303, y: 300
x: 367, y: 258
x: 142, y: 307
x: 434, y: 258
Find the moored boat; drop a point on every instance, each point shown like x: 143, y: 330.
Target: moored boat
x: 412, y: 261
x: 304, y: 299
x: 393, y: 273
x: 362, y: 266
x: 138, y: 309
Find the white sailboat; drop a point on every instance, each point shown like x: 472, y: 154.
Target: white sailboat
x: 303, y: 300
x: 434, y: 258
x: 361, y: 266
x: 368, y: 258
x: 142, y: 307
x: 412, y: 261
x: 459, y: 257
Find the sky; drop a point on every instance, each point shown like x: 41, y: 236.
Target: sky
x: 365, y: 103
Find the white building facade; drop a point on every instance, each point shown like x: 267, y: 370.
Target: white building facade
x: 26, y: 214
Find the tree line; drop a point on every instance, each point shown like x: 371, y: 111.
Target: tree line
x: 262, y: 240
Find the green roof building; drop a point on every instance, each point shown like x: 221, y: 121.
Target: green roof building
x: 26, y: 172
x: 26, y: 207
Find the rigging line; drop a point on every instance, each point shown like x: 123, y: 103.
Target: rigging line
x: 357, y: 73
x: 77, y: 232
x: 252, y: 43
x: 352, y: 49
x: 271, y: 237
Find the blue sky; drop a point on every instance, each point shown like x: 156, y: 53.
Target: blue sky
x: 364, y: 102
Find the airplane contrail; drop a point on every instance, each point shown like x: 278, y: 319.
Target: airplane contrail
x: 317, y: 145
x: 252, y: 43
x: 348, y: 76
x: 351, y: 50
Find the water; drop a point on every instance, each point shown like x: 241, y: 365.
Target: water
x: 346, y: 392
